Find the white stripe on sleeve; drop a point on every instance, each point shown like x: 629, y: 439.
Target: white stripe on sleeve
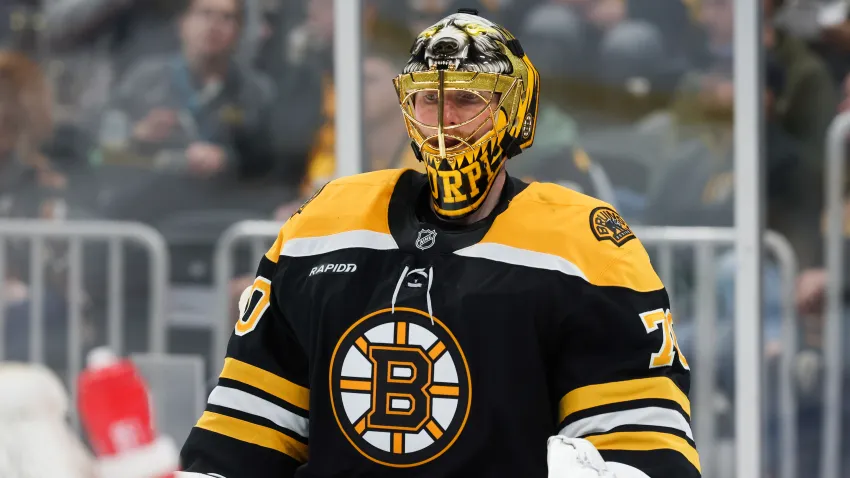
x: 251, y: 404
x: 652, y: 416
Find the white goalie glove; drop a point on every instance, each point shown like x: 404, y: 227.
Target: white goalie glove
x: 578, y: 458
x: 575, y: 458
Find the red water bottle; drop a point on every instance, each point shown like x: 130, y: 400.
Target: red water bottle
x: 116, y: 414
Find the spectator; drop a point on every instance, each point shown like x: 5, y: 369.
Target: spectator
x: 824, y: 26
x: 805, y: 108
x: 199, y: 115
x: 29, y: 185
x: 807, y: 102
x: 94, y: 43
x: 700, y: 174
x: 195, y: 126
x: 188, y: 143
x: 799, y: 109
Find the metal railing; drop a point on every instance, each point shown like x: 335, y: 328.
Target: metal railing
x: 258, y: 233
x: 75, y: 233
x: 705, y: 240
x: 836, y: 155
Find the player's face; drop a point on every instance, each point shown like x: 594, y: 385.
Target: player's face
x: 466, y: 114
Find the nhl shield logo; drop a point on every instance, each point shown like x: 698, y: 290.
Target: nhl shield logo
x: 426, y: 239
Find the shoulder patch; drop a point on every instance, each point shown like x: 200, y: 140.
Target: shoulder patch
x: 608, y: 225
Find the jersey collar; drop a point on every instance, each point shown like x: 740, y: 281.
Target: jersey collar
x: 418, y: 230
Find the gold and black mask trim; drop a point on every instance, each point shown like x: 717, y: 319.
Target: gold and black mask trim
x: 470, y: 56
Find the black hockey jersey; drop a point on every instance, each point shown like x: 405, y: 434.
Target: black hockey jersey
x: 381, y: 342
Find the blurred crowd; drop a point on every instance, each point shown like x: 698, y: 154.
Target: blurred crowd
x: 190, y: 115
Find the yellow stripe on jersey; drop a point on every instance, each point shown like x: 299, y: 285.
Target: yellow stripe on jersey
x: 645, y: 441
x: 352, y: 203
x: 252, y: 433
x: 267, y: 382
x: 619, y: 392
x: 554, y: 220
x: 359, y: 202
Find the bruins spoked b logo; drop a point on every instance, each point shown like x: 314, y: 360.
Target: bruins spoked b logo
x: 400, y: 387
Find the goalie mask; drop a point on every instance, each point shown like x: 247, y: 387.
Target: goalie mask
x: 469, y: 99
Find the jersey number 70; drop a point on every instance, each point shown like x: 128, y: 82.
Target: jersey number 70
x: 256, y: 306
x: 669, y: 346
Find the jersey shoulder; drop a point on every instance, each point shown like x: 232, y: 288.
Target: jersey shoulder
x: 350, y: 204
x: 587, y: 233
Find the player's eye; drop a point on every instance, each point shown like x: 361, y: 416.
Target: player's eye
x: 470, y: 98
x: 429, y: 98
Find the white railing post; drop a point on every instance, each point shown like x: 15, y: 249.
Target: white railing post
x: 833, y: 327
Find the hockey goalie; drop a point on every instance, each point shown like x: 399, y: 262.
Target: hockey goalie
x: 457, y: 321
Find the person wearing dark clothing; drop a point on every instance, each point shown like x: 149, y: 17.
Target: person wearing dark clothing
x: 192, y: 127
x: 697, y: 185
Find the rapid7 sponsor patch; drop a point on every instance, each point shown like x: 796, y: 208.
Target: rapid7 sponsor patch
x: 335, y: 268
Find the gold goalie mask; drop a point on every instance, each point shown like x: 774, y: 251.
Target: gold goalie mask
x: 469, y: 98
